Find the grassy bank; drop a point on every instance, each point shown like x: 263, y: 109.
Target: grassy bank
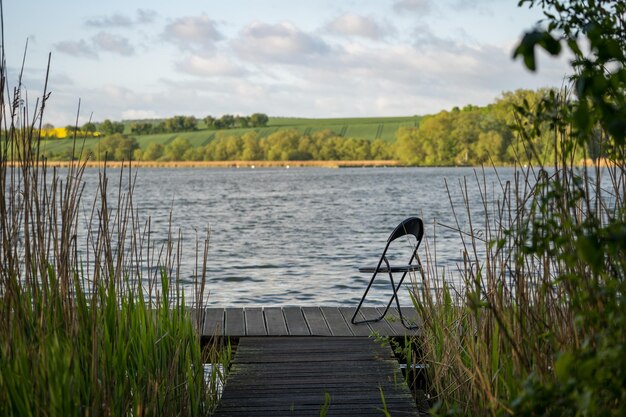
x: 97, y: 330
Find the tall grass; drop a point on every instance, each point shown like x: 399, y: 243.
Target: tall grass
x: 537, y: 325
x: 85, y: 327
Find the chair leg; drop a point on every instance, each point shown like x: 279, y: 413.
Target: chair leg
x: 354, y: 320
x: 395, y: 295
x: 395, y: 290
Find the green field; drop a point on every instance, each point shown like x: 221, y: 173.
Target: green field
x: 359, y: 128
x: 370, y: 128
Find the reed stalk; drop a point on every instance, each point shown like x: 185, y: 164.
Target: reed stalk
x: 92, y: 322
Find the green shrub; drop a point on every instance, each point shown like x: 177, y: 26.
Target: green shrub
x: 538, y: 326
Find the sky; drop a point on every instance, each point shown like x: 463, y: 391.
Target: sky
x: 138, y: 59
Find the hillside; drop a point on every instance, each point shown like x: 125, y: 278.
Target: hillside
x: 358, y: 128
x: 369, y: 128
x: 471, y: 135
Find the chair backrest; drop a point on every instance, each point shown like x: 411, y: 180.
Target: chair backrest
x: 411, y: 226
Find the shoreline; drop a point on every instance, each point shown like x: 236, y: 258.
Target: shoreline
x: 224, y: 164
x: 390, y: 163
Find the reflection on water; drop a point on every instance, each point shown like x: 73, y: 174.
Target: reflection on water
x: 297, y: 236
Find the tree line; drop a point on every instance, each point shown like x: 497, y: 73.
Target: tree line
x: 283, y: 145
x: 471, y: 135
x: 190, y: 123
x: 173, y: 124
x: 477, y: 135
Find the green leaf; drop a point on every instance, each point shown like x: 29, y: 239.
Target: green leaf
x: 563, y: 365
x: 550, y: 44
x: 526, y: 48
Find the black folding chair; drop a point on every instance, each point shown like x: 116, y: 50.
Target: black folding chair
x: 411, y: 226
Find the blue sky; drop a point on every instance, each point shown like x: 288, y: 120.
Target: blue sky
x: 341, y: 58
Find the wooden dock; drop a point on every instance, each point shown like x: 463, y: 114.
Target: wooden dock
x: 300, y: 361
x: 310, y: 376
x: 302, y: 321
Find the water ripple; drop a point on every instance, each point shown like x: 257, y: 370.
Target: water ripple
x: 296, y: 237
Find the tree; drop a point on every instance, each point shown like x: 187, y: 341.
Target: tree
x: 138, y: 154
x: 208, y: 121
x: 487, y: 148
x: 241, y: 121
x: 408, y: 146
x: 71, y: 130
x: 116, y: 147
x: 597, y: 27
x: 89, y: 128
x: 180, y: 124
x: 141, y: 128
x: 380, y: 150
x: 228, y: 121
x: 118, y: 127
x: 108, y: 127
x: 190, y: 123
x: 175, y: 150
x: 159, y: 127
x: 153, y: 152
x: 258, y: 120
x: 234, y: 147
x: 218, y: 124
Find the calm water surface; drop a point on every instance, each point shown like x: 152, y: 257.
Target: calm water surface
x: 297, y: 236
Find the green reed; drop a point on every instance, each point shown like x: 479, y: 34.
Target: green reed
x: 537, y: 325
x: 86, y: 332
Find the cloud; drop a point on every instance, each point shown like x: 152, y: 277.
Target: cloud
x: 482, y: 6
x: 422, y: 7
x: 365, y: 27
x: 281, y: 42
x: 423, y: 38
x: 60, y: 79
x: 438, y: 73
x: 118, y: 20
x: 79, y: 49
x: 217, y: 66
x: 114, y: 20
x: 193, y: 33
x: 281, y: 69
x: 138, y: 114
x: 113, y: 43
x: 146, y: 16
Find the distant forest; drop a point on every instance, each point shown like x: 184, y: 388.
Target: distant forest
x: 471, y: 135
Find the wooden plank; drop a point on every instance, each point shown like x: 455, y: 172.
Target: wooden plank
x: 316, y: 321
x: 393, y: 320
x: 378, y: 327
x: 255, y: 322
x: 275, y: 321
x: 301, y: 321
x: 336, y: 323
x: 296, y: 325
x: 213, y: 322
x: 235, y: 323
x: 275, y: 376
x: 361, y: 329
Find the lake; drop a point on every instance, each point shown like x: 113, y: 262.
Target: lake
x: 297, y: 236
